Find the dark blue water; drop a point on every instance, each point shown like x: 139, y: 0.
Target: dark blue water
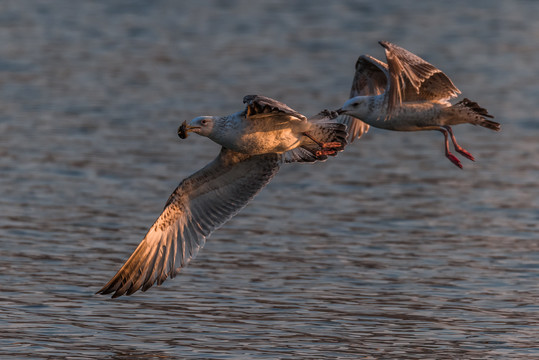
x: 386, y: 252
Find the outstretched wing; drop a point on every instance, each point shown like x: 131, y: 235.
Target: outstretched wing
x: 200, y: 204
x: 412, y: 78
x: 370, y: 78
x: 262, y: 106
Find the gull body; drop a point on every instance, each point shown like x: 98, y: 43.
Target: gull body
x: 409, y: 116
x: 408, y: 94
x: 252, y: 137
x: 255, y: 142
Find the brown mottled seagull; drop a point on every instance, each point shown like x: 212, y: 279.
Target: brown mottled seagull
x: 408, y: 94
x: 255, y: 142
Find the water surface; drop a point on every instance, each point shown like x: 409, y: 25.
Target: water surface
x: 386, y: 252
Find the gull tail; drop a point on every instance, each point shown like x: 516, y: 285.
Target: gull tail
x: 472, y: 113
x: 324, y: 138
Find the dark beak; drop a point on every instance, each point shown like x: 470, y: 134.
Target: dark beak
x: 182, y: 130
x: 339, y: 111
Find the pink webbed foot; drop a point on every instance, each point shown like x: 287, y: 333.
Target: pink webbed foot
x: 326, y: 148
x: 329, y: 148
x: 454, y: 159
x: 464, y: 153
x: 444, y: 130
x: 325, y: 152
x: 331, y: 145
x: 457, y: 147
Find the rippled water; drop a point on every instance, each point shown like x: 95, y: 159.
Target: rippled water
x: 385, y: 252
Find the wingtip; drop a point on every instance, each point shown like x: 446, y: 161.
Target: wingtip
x: 361, y: 59
x: 101, y: 291
x: 111, y: 288
x: 248, y: 98
x: 104, y: 292
x: 384, y: 44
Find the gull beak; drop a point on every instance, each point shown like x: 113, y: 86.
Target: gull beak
x: 184, y: 129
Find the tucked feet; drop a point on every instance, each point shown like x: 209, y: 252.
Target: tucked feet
x: 329, y: 148
x: 331, y: 145
x: 325, y: 152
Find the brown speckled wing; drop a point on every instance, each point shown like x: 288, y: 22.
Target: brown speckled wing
x: 199, y: 205
x: 370, y: 78
x: 412, y: 78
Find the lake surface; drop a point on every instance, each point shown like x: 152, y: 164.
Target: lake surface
x: 386, y: 252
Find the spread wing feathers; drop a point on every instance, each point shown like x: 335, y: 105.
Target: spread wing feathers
x: 200, y: 204
x: 409, y: 74
x: 370, y: 79
x: 323, y: 128
x: 436, y: 87
x: 262, y: 106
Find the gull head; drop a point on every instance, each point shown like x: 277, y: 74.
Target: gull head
x: 202, y: 125
x: 357, y: 106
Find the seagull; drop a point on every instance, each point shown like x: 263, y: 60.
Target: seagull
x: 255, y: 142
x: 408, y: 94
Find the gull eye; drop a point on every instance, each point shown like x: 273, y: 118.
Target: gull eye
x: 355, y: 105
x: 204, y: 122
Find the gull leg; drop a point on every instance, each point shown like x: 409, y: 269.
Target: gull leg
x: 458, y: 148
x: 327, y: 148
x: 448, y: 154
